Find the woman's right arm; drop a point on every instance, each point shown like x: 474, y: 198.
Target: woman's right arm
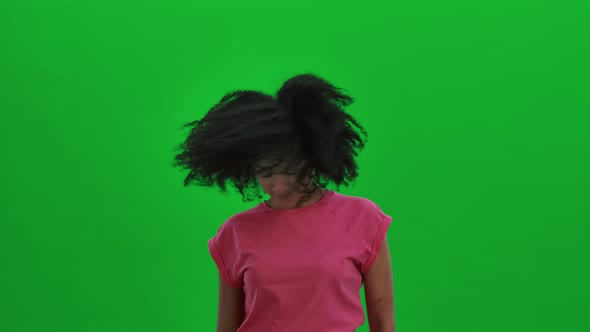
x: 230, y: 311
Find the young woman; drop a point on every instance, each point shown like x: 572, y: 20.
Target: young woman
x: 296, y: 261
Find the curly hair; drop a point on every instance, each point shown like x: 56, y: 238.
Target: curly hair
x: 304, y: 122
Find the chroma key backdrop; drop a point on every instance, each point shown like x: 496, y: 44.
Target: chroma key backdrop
x: 478, y: 147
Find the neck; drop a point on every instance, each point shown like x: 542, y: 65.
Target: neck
x: 315, y: 196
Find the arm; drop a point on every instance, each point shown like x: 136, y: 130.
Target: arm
x: 230, y: 311
x: 379, y: 292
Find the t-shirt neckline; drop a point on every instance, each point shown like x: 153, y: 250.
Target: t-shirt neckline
x: 321, y: 201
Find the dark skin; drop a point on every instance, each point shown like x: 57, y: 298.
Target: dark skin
x: 378, y: 283
x: 284, y: 189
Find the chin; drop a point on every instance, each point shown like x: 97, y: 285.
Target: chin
x: 282, y: 196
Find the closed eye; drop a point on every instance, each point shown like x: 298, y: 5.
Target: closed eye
x: 269, y: 175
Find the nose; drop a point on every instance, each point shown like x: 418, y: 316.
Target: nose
x: 281, y: 189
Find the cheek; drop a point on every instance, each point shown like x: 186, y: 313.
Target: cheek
x: 261, y: 181
x: 277, y: 181
x: 265, y: 184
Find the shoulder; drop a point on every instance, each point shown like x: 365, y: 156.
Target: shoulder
x: 363, y: 216
x: 238, y: 226
x: 353, y: 204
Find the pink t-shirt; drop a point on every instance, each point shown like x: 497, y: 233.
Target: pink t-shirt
x: 301, y: 269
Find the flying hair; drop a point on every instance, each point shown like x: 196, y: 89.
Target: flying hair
x: 304, y: 122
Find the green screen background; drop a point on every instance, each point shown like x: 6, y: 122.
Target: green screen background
x: 477, y: 113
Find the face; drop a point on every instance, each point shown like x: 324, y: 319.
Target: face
x: 281, y: 183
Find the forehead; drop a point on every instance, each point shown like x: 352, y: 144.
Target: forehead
x: 266, y: 163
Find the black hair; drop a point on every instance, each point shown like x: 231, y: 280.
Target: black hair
x: 304, y: 122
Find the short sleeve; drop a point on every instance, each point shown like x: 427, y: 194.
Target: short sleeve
x: 373, y: 226
x: 223, y: 248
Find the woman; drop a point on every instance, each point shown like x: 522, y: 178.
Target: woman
x: 297, y: 261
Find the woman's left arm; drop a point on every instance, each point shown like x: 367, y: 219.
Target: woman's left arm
x: 379, y: 292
